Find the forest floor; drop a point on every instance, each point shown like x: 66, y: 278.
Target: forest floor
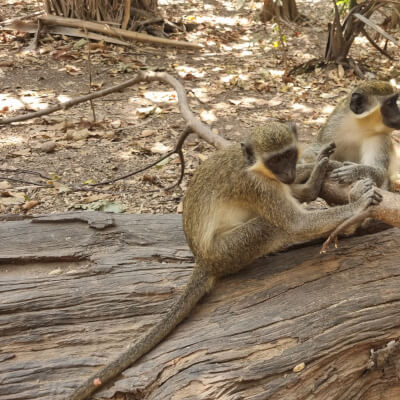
x: 234, y: 83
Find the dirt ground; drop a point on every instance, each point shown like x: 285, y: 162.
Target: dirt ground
x: 234, y: 84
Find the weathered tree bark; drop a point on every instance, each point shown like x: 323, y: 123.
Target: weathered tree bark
x: 284, y: 9
x: 118, y: 11
x: 75, y: 289
x: 146, y: 5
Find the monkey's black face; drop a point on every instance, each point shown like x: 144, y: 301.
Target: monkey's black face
x: 283, y: 164
x: 390, y: 111
x: 389, y: 108
x: 358, y: 103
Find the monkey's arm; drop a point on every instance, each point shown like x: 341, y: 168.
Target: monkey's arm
x: 376, y: 154
x: 351, y: 172
x: 301, y: 225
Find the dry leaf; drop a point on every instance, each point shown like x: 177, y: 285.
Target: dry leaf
x: 78, y: 135
x: 47, y: 147
x: 179, y: 208
x: 72, y: 70
x: 160, y: 148
x: 116, y: 123
x: 148, y: 132
x: 202, y: 157
x: 208, y: 116
x: 24, y: 152
x: 30, y: 204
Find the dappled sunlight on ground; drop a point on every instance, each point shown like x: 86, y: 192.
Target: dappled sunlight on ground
x: 10, y: 103
x: 234, y: 83
x: 160, y: 96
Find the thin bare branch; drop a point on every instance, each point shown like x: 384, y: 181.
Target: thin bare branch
x: 382, y: 51
x: 377, y: 28
x: 72, y: 102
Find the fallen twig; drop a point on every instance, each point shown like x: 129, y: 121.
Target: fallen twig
x: 6, y: 178
x: 72, y: 102
x: 120, y: 33
x: 202, y: 130
x: 176, y: 150
x: 30, y: 27
x: 12, y: 20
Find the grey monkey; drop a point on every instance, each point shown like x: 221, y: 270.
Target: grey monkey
x: 360, y: 126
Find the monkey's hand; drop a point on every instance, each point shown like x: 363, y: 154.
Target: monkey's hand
x: 326, y: 151
x: 352, y: 172
x: 348, y: 173
x: 370, y: 195
x: 359, y: 188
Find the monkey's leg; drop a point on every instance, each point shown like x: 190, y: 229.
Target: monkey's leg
x: 239, y: 246
x: 309, y: 190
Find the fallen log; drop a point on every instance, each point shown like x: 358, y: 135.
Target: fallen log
x: 76, y: 288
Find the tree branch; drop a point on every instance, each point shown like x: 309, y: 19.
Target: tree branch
x: 120, y: 33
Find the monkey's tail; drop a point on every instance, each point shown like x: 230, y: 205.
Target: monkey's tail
x: 199, y: 284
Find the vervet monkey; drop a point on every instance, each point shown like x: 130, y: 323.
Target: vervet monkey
x: 360, y: 126
x: 237, y: 208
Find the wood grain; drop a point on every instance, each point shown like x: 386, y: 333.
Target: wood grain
x: 76, y: 288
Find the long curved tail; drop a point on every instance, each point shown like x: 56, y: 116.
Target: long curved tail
x: 199, y: 284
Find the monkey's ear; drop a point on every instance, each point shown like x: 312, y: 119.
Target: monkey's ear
x: 248, y: 152
x: 357, y: 103
x: 293, y: 128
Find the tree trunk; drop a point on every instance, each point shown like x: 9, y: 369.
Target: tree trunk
x: 145, y: 5
x: 284, y: 9
x: 118, y: 11
x: 77, y: 288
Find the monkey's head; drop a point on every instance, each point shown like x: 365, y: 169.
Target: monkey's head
x: 374, y: 101
x: 272, y: 151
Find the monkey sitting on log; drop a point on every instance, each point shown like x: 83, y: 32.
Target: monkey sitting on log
x: 237, y: 208
x: 360, y: 126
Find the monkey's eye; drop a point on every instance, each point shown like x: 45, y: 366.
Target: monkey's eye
x: 283, y: 159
